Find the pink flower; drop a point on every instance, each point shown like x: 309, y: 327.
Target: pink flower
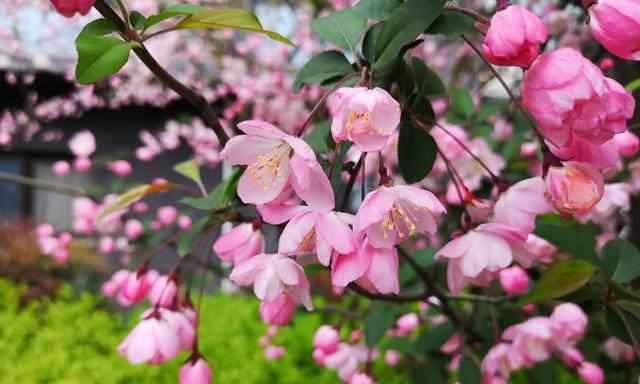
x: 167, y: 214
x: 531, y: 340
x: 485, y: 249
x: 574, y: 188
x: 153, y: 341
x: 514, y: 280
x: 278, y: 312
x: 361, y: 378
x: 121, y: 168
x: 502, y: 130
x: 499, y: 362
x: 569, y: 96
x: 390, y: 215
x: 164, y: 291
x: 346, y: 359
x: 619, y: 351
x: 68, y: 8
x: 184, y: 222
x: 408, y: 323
x: 138, y: 285
x: 115, y: 283
x: 628, y: 143
x: 514, y: 37
x: 182, y: 323
x: 392, y: 358
x: 591, y: 373
x: 509, y: 209
x: 326, y: 339
x: 196, y: 372
x: 273, y: 352
x: 83, y: 143
x: 133, y: 229
x: 322, y: 233
x: 275, y: 158
x: 61, y: 168
x: 368, y: 117
x: 239, y: 244
x: 376, y: 269
x: 615, y: 24
x: 569, y: 323
x: 452, y: 346
x: 271, y: 276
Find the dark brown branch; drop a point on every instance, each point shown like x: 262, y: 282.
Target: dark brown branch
x: 197, y: 100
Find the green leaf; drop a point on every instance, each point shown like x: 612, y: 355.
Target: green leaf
x: 319, y: 137
x: 469, y: 372
x: 377, y: 9
x: 99, y: 27
x: 431, y: 340
x: 342, y: 28
x: 451, y: 24
x: 379, y: 318
x: 130, y: 197
x: 428, y: 83
x: 621, y: 261
x: 229, y: 18
x: 187, y: 239
x: 137, y: 20
x: 462, y: 103
x: 99, y: 57
x: 569, y: 236
x: 425, y: 257
x: 416, y: 152
x: 369, y: 42
x: 633, y: 86
x: 404, y: 25
x: 220, y: 197
x: 171, y: 12
x: 560, y: 279
x: 616, y: 315
x: 323, y: 67
x: 190, y: 170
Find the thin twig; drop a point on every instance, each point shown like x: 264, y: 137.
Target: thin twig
x: 470, y: 12
x: 41, y: 184
x: 351, y: 182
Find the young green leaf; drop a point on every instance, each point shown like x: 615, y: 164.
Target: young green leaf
x: 621, y: 261
x: 99, y: 57
x: 190, y: 170
x: 560, y: 279
x: 342, y: 28
x: 378, y: 320
x: 220, y: 197
x: 171, y: 12
x: 323, y: 67
x: 99, y: 27
x: 416, y: 152
x: 137, y: 20
x: 229, y: 18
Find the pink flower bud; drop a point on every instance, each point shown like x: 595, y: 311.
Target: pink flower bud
x: 591, y: 373
x: 164, y: 291
x: 278, y: 312
x: 239, y: 244
x: 408, y: 323
x: 196, y: 372
x: 514, y: 280
x: 115, y: 283
x: 568, y: 322
x: 82, y: 144
x: 574, y: 188
x: 361, y: 378
x: 606, y: 64
x: 327, y: 339
x: 68, y: 8
x: 514, y: 37
x: 392, y: 358
x: 627, y: 143
x: 571, y: 357
x: 106, y: 245
x: 133, y: 229
x: 167, y: 214
x: 140, y: 207
x: 502, y: 130
x: 274, y: 352
x: 61, y: 255
x: 272, y: 331
x: 120, y: 167
x: 61, y: 168
x: 81, y: 164
x: 184, y: 222
x: 137, y: 286
x: 319, y: 356
x: 615, y: 24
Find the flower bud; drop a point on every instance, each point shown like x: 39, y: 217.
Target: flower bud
x: 514, y: 280
x: 196, y: 372
x: 591, y: 373
x: 574, y: 188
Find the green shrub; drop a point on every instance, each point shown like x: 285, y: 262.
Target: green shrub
x: 73, y: 340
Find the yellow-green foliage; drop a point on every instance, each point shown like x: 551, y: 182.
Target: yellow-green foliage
x: 73, y: 340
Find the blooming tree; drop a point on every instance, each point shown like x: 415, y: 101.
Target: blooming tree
x: 476, y: 230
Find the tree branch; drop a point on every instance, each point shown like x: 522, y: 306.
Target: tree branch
x: 197, y: 100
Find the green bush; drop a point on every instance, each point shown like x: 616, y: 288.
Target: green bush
x: 73, y: 340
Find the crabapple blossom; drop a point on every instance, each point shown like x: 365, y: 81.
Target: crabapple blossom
x: 390, y: 215
x: 83, y: 144
x: 153, y: 341
x: 619, y: 351
x: 68, y: 8
x: 406, y: 324
x: 275, y: 158
x: 509, y: 209
x: 121, y: 168
x: 138, y: 284
x: 591, y: 373
x: 361, y: 378
x: 196, y: 371
x: 628, y: 143
x: 514, y: 280
x: 167, y: 214
x: 239, y: 244
x: 184, y: 222
x: 514, y: 37
x: 574, y: 188
x: 164, y: 291
x: 615, y: 24
x: 326, y: 339
x: 272, y: 275
x: 133, y: 229
x: 368, y: 117
x: 279, y: 311
x: 346, y: 359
